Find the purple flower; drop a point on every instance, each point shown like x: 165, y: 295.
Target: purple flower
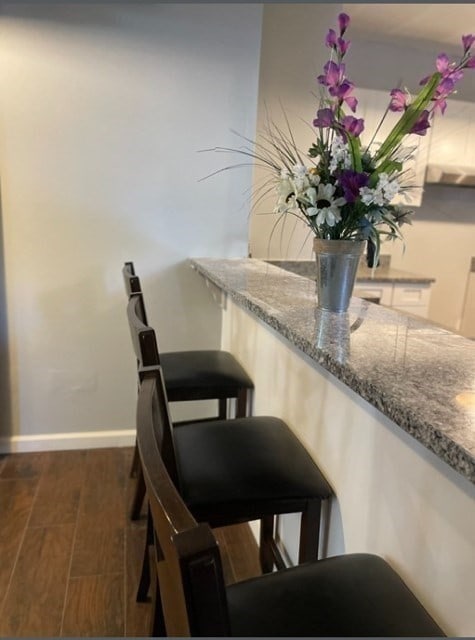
x: 332, y: 75
x: 442, y: 63
x: 398, y: 100
x: 341, y: 90
x: 421, y: 126
x: 343, y: 22
x: 351, y: 182
x: 352, y: 102
x: 445, y: 88
x: 467, y: 42
x: 330, y: 40
x: 455, y: 75
x: 343, y: 93
x: 353, y: 125
x: 325, y: 118
x: 342, y: 46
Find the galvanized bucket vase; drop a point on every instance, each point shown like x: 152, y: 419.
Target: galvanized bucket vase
x: 337, y: 264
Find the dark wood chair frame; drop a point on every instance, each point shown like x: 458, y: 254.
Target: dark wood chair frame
x: 152, y: 357
x: 145, y: 347
x: 192, y: 547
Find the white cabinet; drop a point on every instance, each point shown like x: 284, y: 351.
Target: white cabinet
x: 413, y: 298
x: 371, y: 107
x: 452, y: 140
x: 409, y: 297
x: 382, y: 292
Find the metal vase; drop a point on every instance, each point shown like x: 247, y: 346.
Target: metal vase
x: 337, y: 264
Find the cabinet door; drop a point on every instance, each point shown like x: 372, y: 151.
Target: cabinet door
x: 453, y: 135
x: 413, y: 298
x: 382, y: 292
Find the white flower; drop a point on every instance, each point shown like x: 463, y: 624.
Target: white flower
x: 311, y: 194
x: 340, y: 154
x: 299, y: 170
x: 285, y: 188
x: 313, y: 177
x: 391, y: 189
x: 382, y: 194
x: 372, y: 196
x: 300, y: 179
x: 366, y: 195
x: 324, y: 207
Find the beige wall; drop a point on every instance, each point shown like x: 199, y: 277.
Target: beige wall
x: 103, y: 111
x: 441, y: 241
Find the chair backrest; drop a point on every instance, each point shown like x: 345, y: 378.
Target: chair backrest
x: 144, y: 340
x: 189, y: 569
x: 133, y: 285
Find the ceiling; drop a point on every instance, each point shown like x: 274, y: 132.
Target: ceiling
x: 422, y: 23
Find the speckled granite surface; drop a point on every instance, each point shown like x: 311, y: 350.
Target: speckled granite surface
x: 383, y: 273
x: 420, y: 376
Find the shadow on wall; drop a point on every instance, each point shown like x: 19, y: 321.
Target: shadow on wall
x: 5, y: 387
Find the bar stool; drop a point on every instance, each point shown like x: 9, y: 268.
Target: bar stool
x: 190, y: 375
x: 235, y: 470
x: 343, y: 596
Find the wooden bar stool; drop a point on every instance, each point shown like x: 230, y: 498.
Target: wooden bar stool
x: 235, y: 470
x: 357, y: 595
x: 242, y: 469
x: 190, y: 375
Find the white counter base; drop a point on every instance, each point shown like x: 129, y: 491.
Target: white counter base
x: 394, y: 497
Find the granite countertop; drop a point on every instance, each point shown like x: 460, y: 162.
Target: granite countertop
x: 420, y: 376
x: 381, y: 274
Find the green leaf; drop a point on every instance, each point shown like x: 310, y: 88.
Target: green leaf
x: 355, y: 148
x: 409, y: 118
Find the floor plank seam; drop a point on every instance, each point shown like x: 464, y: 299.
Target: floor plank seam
x: 66, y: 591
x: 125, y: 540
x: 15, y: 563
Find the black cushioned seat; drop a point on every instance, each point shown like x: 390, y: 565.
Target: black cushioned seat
x: 352, y: 595
x: 203, y: 375
x: 244, y: 466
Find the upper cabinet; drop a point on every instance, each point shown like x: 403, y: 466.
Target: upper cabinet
x: 372, y: 106
x: 452, y: 140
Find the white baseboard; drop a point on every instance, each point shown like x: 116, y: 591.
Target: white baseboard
x: 61, y: 441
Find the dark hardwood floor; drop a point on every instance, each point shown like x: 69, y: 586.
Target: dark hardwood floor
x: 69, y: 555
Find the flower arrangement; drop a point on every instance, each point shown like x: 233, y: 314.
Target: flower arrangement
x: 341, y: 188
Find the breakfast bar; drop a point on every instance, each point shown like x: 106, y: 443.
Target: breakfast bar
x: 385, y: 403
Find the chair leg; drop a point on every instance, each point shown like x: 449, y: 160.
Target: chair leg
x: 144, y: 582
x: 135, y: 462
x: 223, y: 408
x: 241, y: 403
x: 310, y: 532
x: 139, y: 496
x: 266, y: 537
x: 158, y: 622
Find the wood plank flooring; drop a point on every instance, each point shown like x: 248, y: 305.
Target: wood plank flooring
x: 70, y: 557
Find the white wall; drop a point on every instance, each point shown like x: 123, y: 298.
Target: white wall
x: 103, y: 111
x: 442, y: 239
x: 292, y: 55
x: 440, y: 244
